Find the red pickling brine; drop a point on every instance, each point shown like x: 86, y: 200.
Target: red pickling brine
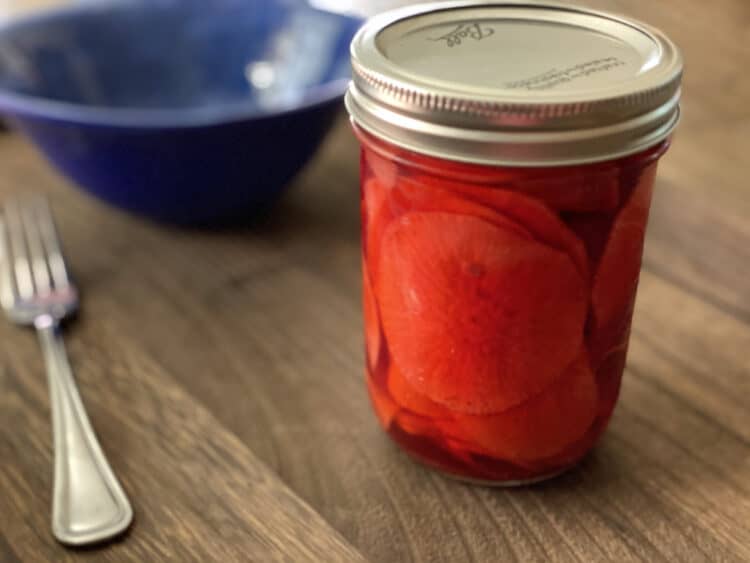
x: 504, y: 213
x: 497, y: 316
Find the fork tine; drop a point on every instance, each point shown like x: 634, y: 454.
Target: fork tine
x: 39, y: 270
x: 51, y: 243
x: 18, y: 250
x: 8, y: 290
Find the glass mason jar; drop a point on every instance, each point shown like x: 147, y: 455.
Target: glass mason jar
x: 508, y: 160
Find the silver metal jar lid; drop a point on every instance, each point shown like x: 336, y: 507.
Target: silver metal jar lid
x: 516, y: 83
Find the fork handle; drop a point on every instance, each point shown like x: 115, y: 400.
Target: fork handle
x: 88, y: 503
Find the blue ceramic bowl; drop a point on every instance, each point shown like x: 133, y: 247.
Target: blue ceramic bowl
x: 188, y: 111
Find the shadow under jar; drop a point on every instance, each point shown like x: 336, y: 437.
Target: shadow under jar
x: 508, y: 160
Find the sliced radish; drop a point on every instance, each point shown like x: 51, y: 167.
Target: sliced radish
x: 376, y: 215
x: 373, y: 335
x: 582, y: 191
x: 478, y: 318
x: 542, y: 426
x: 384, y: 169
x: 592, y: 229
x: 616, y: 278
x: 385, y: 408
x: 608, y: 379
x: 408, y: 398
x: 544, y: 225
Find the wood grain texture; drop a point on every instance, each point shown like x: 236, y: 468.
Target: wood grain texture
x: 205, y: 357
x: 200, y: 494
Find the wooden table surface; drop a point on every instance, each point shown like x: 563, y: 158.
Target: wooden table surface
x: 223, y: 372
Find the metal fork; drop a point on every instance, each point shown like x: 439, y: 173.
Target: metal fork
x: 88, y: 503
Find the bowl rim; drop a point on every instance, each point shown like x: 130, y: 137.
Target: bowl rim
x: 13, y: 104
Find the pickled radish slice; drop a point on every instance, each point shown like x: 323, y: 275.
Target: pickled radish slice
x: 575, y: 191
x: 542, y: 426
x: 572, y: 453
x: 376, y: 214
x: 415, y: 197
x: 416, y: 424
x: 478, y: 318
x: 562, y: 189
x: 616, y: 278
x: 605, y: 339
x: 371, y: 320
x: 408, y: 398
x: 384, y: 170
x: 632, y: 175
x: 373, y: 201
x: 544, y: 225
x: 593, y: 231
x: 385, y: 408
x: 608, y: 378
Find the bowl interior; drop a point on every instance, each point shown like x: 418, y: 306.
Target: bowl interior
x: 177, y: 54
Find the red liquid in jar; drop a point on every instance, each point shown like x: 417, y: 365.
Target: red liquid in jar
x: 498, y: 304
